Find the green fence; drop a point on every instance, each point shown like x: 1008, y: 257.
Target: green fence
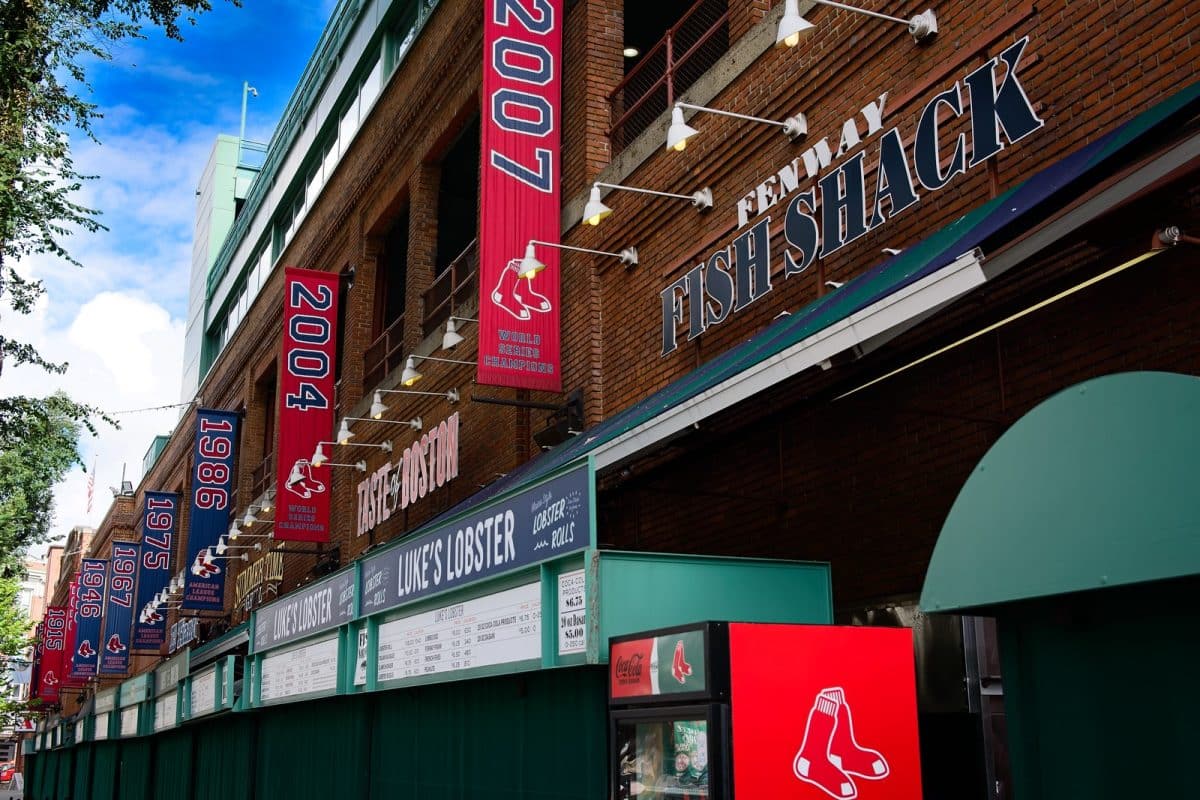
x: 535, y: 735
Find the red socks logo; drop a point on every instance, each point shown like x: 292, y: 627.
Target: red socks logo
x: 830, y: 754
x: 680, y: 668
x: 85, y: 649
x: 514, y: 293
x: 115, y: 645
x: 301, y: 482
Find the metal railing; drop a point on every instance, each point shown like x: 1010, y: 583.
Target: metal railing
x: 668, y: 69
x: 384, y: 354
x: 452, y: 288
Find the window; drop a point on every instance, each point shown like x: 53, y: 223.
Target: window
x: 391, y: 283
x: 669, y: 44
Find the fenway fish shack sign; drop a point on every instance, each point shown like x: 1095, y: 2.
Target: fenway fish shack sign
x: 427, y: 464
x: 820, y: 219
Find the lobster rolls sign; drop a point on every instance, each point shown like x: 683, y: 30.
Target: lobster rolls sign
x: 310, y: 305
x: 212, y: 482
x: 519, y: 193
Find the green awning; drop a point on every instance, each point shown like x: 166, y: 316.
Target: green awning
x: 1098, y: 486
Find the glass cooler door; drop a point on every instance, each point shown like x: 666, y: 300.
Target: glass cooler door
x: 668, y: 753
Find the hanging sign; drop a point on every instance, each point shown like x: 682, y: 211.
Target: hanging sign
x: 543, y: 522
x: 212, y: 481
x: 183, y: 632
x: 315, y: 608
x: 520, y: 191
x: 259, y: 579
x: 39, y: 649
x: 86, y: 656
x: 72, y: 619
x: 154, y: 566
x: 310, y: 304
x: 428, y: 464
x: 841, y: 207
x: 53, y: 653
x: 118, y: 620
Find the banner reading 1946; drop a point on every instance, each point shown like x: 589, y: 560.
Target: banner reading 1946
x: 85, y: 659
x: 519, y: 193
x: 310, y: 303
x: 212, y: 480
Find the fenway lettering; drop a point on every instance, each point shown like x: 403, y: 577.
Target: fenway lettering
x: 428, y: 464
x: 823, y: 219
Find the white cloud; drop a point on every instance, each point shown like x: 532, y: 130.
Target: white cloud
x: 125, y: 353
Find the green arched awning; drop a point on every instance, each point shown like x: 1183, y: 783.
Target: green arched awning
x: 1097, y: 486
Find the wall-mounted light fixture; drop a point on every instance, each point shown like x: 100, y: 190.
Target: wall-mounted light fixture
x: 319, y: 457
x: 530, y: 265
x: 223, y: 546
x: 451, y: 338
x: 793, y: 27
x: 344, y: 434
x: 595, y: 210
x: 378, y: 409
x: 410, y: 374
x: 679, y: 132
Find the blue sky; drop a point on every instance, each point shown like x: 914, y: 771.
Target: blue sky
x: 120, y: 319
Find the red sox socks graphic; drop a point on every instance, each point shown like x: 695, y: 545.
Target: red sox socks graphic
x: 85, y: 649
x: 301, y: 481
x: 205, y: 566
x: 115, y: 645
x: 680, y: 668
x: 50, y: 679
x: 830, y: 754
x: 515, y: 293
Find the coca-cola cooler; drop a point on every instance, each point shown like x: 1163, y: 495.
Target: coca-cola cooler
x: 720, y: 710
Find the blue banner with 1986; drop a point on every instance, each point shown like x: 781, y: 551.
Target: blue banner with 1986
x: 212, y: 480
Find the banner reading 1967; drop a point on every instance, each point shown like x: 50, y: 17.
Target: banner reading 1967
x: 118, y: 620
x: 85, y: 659
x: 212, y: 480
x: 154, y: 566
x: 310, y: 302
x: 520, y: 193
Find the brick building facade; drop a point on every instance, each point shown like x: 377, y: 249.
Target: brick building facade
x: 854, y: 462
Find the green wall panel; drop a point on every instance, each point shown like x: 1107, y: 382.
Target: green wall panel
x: 172, y: 779
x: 83, y: 770
x: 104, y: 771
x: 66, y: 771
x: 224, y: 758
x: 134, y: 769
x: 33, y: 774
x: 330, y: 735
x: 641, y: 591
x: 500, y: 738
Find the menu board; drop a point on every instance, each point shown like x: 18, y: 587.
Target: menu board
x: 500, y: 628
x: 300, y: 670
x: 204, y: 693
x: 129, y: 721
x: 101, y: 730
x: 572, y: 613
x: 164, y: 711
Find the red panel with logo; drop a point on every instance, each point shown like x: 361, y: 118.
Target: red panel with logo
x: 822, y: 711
x: 519, y: 193
x: 54, y: 642
x: 629, y: 668
x: 306, y: 385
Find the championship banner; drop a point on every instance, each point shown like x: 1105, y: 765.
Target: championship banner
x: 520, y: 194
x: 310, y: 302
x: 122, y: 571
x: 85, y: 656
x: 154, y: 566
x: 53, y: 654
x: 35, y: 681
x: 72, y: 617
x: 212, y: 479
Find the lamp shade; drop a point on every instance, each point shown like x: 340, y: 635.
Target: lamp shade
x: 377, y: 407
x: 344, y: 433
x: 410, y: 374
x: 318, y: 456
x: 250, y: 518
x: 530, y: 266
x: 268, y: 501
x: 451, y: 337
x: 792, y: 26
x: 595, y: 211
x: 679, y: 132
